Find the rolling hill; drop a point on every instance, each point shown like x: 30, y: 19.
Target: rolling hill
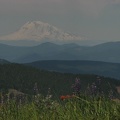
x: 79, y: 66
x: 23, y: 78
x: 2, y: 61
x: 107, y: 52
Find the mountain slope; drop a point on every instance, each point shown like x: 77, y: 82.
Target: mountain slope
x: 82, y: 67
x: 40, y: 31
x: 107, y: 52
x: 2, y: 61
x: 23, y: 78
x: 45, y: 51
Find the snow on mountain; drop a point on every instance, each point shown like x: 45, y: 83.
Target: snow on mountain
x: 38, y: 31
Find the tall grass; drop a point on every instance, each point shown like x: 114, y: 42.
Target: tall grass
x: 91, y: 105
x: 75, y: 108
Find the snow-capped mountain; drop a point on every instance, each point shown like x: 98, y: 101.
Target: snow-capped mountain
x: 38, y: 31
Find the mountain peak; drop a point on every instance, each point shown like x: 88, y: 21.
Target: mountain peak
x: 38, y: 31
x: 35, y: 24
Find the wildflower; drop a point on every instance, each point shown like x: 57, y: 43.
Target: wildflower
x: 110, y: 95
x: 93, y: 89
x: 36, y: 89
x: 98, y: 84
x: 49, y: 94
x: 62, y: 97
x: 66, y: 97
x: 77, y: 86
x: 98, y: 81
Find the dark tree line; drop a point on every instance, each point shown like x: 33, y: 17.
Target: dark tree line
x: 23, y: 78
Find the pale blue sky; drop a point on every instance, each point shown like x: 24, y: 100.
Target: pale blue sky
x: 94, y: 19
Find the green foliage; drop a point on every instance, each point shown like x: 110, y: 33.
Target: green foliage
x: 23, y: 78
x: 38, y: 107
x: 77, y: 108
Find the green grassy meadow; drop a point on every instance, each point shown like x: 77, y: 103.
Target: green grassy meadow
x: 75, y: 108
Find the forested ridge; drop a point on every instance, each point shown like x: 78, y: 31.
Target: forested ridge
x: 23, y: 78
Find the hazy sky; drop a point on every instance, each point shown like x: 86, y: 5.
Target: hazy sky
x: 95, y: 19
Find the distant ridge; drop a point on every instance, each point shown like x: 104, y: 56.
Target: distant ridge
x: 2, y: 61
x: 80, y: 67
x: 107, y: 52
x: 23, y: 78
